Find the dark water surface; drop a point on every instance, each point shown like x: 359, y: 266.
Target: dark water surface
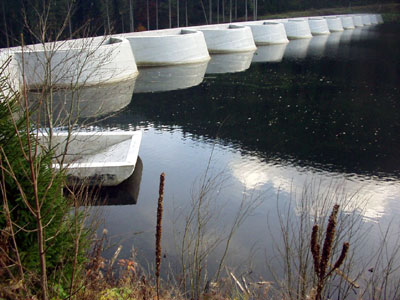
x: 325, y: 110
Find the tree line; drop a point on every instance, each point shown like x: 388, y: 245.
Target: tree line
x: 63, y: 19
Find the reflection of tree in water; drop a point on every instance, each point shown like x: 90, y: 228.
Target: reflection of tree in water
x: 334, y: 114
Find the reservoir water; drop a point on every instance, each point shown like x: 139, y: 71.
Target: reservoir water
x: 315, y: 117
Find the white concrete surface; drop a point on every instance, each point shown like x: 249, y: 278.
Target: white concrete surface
x: 374, y: 19
x: 334, y: 23
x: 269, y: 33
x: 347, y: 22
x: 357, y: 19
x: 228, y: 38
x: 366, y: 20
x: 87, y: 61
x: 379, y: 18
x: 169, y: 78
x: 297, y: 29
x: 229, y: 62
x: 105, y: 158
x: 168, y: 47
x: 318, y: 26
x: 269, y: 53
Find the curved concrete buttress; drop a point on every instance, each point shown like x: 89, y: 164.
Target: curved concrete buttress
x: 297, y: 29
x: 366, y: 20
x: 334, y: 23
x: 357, y: 19
x: 374, y: 19
x: 347, y: 22
x: 229, y: 62
x: 269, y: 53
x: 228, y: 38
x: 88, y: 61
x: 168, y: 47
x: 318, y: 26
x: 169, y: 78
x: 269, y: 33
x: 297, y: 49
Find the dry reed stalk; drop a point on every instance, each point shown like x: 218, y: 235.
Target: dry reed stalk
x: 159, y: 232
x: 321, y: 262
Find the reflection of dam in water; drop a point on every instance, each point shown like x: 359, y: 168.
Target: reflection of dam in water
x: 270, y: 53
x: 169, y: 78
x: 297, y: 49
x: 125, y: 193
x: 85, y: 101
x: 317, y: 45
x: 229, y: 63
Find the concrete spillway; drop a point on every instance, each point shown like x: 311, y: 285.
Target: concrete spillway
x: 269, y: 33
x: 334, y: 23
x: 86, y: 62
x: 228, y: 38
x: 318, y: 26
x: 168, y: 47
x: 297, y: 29
x: 347, y: 22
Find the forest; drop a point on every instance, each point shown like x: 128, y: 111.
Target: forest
x: 51, y: 20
